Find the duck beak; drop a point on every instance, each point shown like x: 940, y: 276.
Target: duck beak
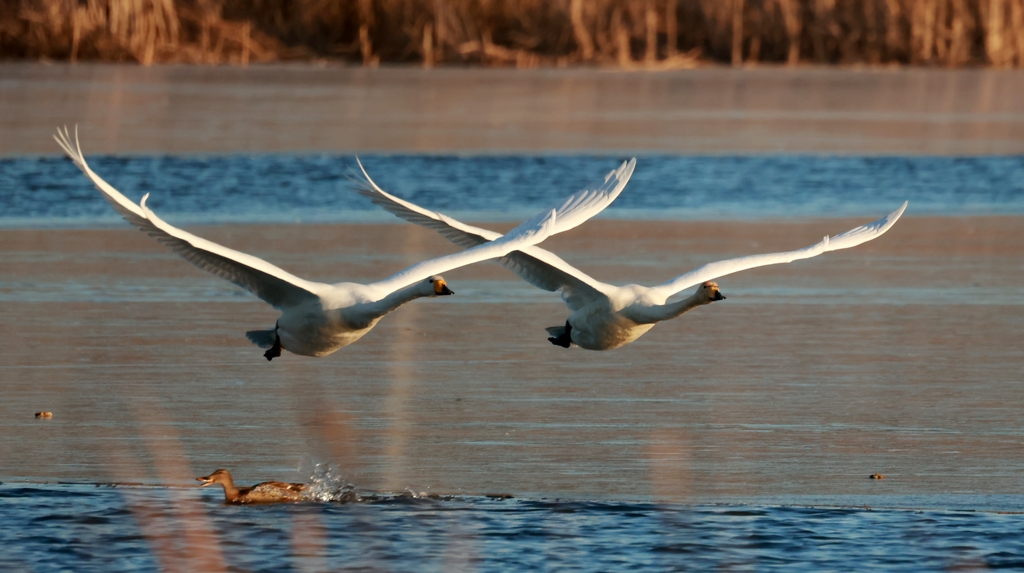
x: 445, y: 291
x: 719, y: 295
x: 206, y: 481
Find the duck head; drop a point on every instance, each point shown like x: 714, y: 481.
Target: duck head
x: 709, y: 291
x: 222, y: 477
x: 438, y: 287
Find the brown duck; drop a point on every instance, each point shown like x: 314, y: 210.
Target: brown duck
x: 266, y: 492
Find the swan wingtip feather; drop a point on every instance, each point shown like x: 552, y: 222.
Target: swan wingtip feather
x: 885, y: 223
x: 373, y: 188
x: 363, y: 169
x: 63, y: 139
x: 624, y: 170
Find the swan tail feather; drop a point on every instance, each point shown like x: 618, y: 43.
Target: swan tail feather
x: 556, y: 331
x: 262, y: 338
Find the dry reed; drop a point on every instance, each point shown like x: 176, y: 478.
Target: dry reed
x: 522, y: 33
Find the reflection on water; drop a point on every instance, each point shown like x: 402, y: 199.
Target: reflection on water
x: 403, y: 379
x: 97, y: 528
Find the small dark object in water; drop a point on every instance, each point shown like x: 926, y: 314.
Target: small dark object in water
x: 46, y: 415
x: 499, y: 495
x: 876, y: 475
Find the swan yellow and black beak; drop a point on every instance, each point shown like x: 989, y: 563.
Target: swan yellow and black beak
x: 441, y: 289
x: 718, y: 295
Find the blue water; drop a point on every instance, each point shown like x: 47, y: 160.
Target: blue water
x: 103, y: 528
x: 315, y: 188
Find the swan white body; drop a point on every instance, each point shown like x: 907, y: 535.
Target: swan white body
x: 606, y: 316
x: 318, y: 318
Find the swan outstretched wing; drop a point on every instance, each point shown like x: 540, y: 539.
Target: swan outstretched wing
x: 546, y: 270
x: 459, y: 233
x: 539, y: 267
x: 529, y: 233
x: 851, y: 238
x: 270, y: 283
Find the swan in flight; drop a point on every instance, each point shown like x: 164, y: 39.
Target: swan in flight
x: 317, y: 318
x: 606, y: 316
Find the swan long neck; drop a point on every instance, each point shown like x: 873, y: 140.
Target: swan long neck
x: 671, y: 310
x: 398, y: 298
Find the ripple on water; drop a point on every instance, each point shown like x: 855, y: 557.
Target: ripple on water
x: 118, y: 529
x: 315, y: 188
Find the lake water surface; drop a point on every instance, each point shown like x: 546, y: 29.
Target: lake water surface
x: 316, y: 188
x: 740, y: 436
x: 100, y: 528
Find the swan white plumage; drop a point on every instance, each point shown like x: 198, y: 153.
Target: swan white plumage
x: 318, y: 318
x: 606, y: 316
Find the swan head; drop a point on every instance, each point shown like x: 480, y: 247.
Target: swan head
x: 219, y: 476
x: 709, y: 291
x: 438, y: 287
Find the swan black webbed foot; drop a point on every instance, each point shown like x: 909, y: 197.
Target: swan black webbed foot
x: 274, y: 352
x: 564, y: 340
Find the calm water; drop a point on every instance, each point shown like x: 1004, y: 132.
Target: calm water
x: 302, y: 188
x: 919, y: 372
x: 102, y: 528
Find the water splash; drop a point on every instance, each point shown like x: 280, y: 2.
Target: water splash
x: 327, y: 483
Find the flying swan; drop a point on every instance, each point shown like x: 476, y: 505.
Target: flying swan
x: 606, y: 316
x: 317, y: 318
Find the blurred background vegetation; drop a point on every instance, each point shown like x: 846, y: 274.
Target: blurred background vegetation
x: 522, y: 33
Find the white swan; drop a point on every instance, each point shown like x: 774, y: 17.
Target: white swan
x: 317, y: 318
x: 605, y: 316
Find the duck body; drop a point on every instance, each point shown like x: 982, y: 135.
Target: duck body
x: 266, y: 492
x: 271, y: 492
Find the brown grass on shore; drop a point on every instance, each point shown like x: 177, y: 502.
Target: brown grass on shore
x: 522, y: 33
